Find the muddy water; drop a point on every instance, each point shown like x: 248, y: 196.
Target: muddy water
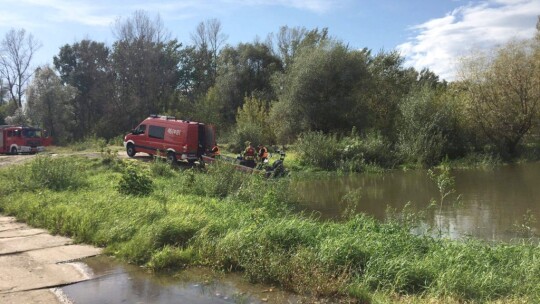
x: 493, y: 201
x: 116, y: 282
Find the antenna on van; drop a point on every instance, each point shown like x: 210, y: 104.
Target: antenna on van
x: 154, y: 116
x: 171, y: 117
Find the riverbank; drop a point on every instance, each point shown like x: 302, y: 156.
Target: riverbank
x: 235, y: 222
x: 34, y: 262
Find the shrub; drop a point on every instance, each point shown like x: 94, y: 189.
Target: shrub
x: 160, y: 167
x: 352, y: 153
x: 55, y: 173
x: 319, y: 150
x: 252, y: 124
x: 372, y: 148
x: 429, y: 128
x: 220, y: 180
x: 135, y: 182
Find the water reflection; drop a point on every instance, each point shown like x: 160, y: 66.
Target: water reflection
x: 493, y: 200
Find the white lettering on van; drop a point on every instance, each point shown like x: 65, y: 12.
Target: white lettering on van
x: 173, y: 131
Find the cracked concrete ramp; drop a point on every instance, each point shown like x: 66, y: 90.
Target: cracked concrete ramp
x: 33, y: 261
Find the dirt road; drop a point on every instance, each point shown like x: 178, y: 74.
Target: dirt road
x: 14, y: 159
x: 33, y: 263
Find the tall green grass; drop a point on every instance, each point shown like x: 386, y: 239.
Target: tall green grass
x: 239, y: 222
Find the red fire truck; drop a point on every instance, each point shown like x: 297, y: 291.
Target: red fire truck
x: 22, y: 139
x: 170, y: 137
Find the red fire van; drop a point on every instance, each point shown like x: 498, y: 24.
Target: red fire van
x: 170, y: 137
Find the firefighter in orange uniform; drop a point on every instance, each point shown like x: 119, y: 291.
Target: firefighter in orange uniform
x: 215, y: 151
x: 262, y: 153
x: 249, y: 155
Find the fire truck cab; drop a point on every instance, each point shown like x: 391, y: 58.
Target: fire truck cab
x: 172, y: 138
x: 21, y: 139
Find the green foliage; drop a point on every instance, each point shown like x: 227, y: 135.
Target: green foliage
x: 252, y: 124
x: 222, y: 180
x: 428, y: 128
x: 160, y: 167
x: 389, y: 81
x: 49, y: 105
x: 171, y: 257
x: 90, y: 143
x: 321, y: 91
x: 444, y: 180
x: 352, y: 153
x: 504, y: 92
x: 55, y: 173
x: 319, y: 150
x: 372, y: 148
x: 110, y: 158
x: 135, y: 181
x: 85, y: 67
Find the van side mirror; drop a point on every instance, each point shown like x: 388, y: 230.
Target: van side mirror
x: 133, y: 131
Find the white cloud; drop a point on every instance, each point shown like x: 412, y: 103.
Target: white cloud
x: 440, y: 42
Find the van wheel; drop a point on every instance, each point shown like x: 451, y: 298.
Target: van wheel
x: 13, y: 150
x: 171, y: 158
x: 130, y: 149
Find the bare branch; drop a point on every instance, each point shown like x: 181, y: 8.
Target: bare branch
x: 16, y: 53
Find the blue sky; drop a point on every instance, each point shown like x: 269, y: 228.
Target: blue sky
x: 428, y: 33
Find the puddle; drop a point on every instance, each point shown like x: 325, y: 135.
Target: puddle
x: 117, y: 282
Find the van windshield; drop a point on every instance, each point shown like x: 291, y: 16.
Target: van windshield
x: 31, y: 133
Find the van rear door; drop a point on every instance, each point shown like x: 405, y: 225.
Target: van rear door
x: 206, y: 140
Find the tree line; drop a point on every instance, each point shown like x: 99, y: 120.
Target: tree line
x: 278, y: 90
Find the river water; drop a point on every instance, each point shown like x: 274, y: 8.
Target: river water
x: 493, y: 202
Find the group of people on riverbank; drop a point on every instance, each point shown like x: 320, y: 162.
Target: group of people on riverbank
x: 259, y: 155
x: 251, y: 156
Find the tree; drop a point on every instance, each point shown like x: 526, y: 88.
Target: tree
x: 244, y: 71
x: 289, y: 41
x: 321, y: 91
x: 49, y: 104
x: 428, y: 128
x: 208, y: 39
x: 145, y: 63
x: 16, y: 53
x: 390, y: 82
x: 252, y: 123
x: 85, y: 66
x: 504, y: 90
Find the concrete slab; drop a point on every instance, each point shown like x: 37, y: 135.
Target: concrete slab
x: 28, y: 276
x: 25, y: 243
x: 63, y: 254
x: 12, y: 233
x: 32, y: 261
x: 11, y: 226
x: 44, y: 296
